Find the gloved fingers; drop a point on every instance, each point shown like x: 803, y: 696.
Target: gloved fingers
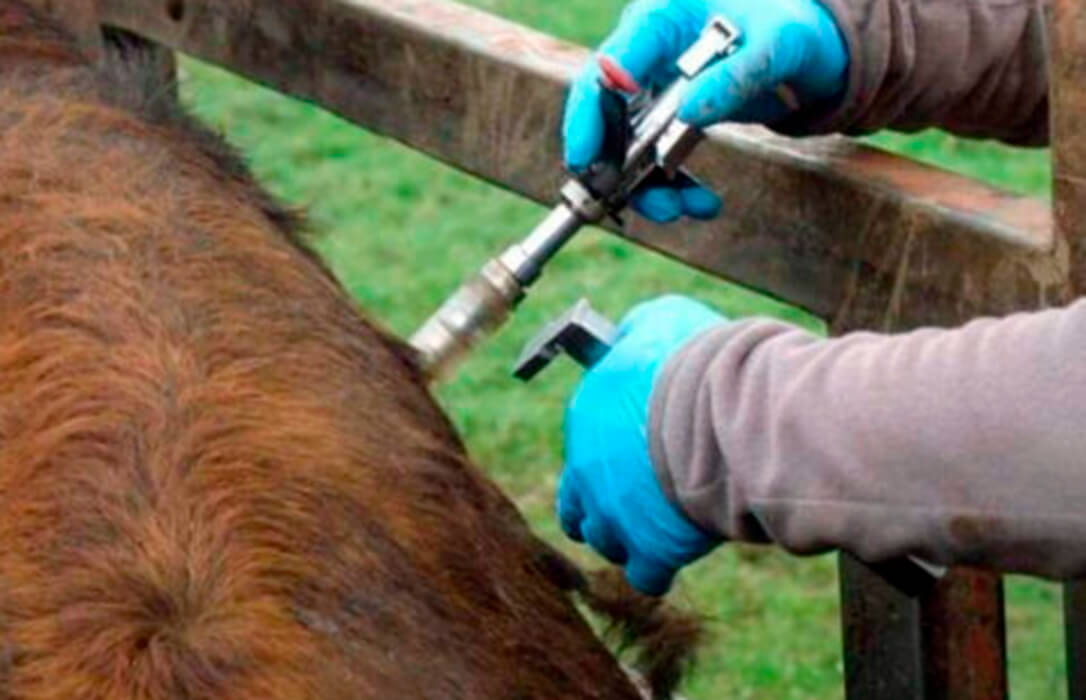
x: 695, y: 200
x: 661, y: 204
x: 646, y: 44
x: 570, y: 510
x: 583, y: 128
x: 599, y: 534
x: 732, y: 84
x: 699, y: 202
x: 664, y: 200
x: 824, y: 48
x: 649, y: 39
x: 649, y: 577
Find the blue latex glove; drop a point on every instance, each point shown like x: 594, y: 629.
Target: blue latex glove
x: 784, y: 42
x: 609, y: 495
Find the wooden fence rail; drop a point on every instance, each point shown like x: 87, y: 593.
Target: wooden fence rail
x: 863, y: 238
x: 849, y: 232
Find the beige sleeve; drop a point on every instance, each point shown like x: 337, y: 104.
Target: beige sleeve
x: 963, y: 446
x: 973, y: 67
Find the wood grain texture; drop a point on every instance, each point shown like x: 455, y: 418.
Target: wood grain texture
x: 1067, y: 39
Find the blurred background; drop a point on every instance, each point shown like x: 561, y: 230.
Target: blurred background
x: 402, y: 232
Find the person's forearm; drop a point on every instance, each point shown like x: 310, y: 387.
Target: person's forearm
x: 962, y: 446
x: 973, y: 67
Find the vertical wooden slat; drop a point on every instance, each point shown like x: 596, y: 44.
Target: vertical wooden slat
x: 1067, y: 70
x: 883, y: 642
x: 1067, y: 39
x: 943, y: 640
x: 963, y: 623
x: 1074, y: 611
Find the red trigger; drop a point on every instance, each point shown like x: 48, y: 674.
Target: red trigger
x: 615, y: 77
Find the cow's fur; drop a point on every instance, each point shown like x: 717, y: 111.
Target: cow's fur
x: 218, y: 480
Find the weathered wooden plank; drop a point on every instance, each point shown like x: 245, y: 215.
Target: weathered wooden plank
x: 1067, y: 24
x: 917, y: 638
x: 965, y: 650
x: 854, y: 234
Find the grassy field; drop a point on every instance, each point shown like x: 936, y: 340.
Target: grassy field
x: 402, y: 231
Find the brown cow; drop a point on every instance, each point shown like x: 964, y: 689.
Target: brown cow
x: 217, y: 480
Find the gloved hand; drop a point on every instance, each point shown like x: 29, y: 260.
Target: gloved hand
x: 609, y: 495
x: 790, y: 42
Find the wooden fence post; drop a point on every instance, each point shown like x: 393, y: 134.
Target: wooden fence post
x: 1067, y: 70
x: 942, y: 640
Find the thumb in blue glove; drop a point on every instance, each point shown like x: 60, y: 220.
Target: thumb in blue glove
x: 609, y: 495
x: 793, y: 43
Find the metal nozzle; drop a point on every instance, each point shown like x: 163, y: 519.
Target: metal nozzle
x: 476, y: 310
x: 484, y: 303
x: 656, y: 141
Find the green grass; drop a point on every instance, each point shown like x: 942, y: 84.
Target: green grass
x: 403, y: 231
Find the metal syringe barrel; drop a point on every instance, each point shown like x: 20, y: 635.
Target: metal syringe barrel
x: 483, y: 304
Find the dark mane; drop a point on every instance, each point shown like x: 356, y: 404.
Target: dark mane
x: 132, y: 78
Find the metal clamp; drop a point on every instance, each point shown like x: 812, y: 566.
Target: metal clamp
x: 582, y: 333
x: 718, y: 40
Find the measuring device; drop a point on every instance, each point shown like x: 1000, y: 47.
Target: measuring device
x: 643, y: 138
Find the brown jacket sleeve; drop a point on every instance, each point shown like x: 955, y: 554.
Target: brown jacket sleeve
x: 973, y: 67
x: 963, y: 446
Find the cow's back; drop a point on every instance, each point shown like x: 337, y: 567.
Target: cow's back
x: 216, y: 478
